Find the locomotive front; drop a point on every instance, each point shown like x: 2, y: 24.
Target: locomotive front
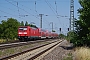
x: 23, y: 33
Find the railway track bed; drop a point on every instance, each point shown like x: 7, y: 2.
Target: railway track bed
x: 11, y: 45
x: 14, y: 50
x: 33, y: 53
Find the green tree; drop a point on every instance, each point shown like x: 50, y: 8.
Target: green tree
x: 3, y: 26
x: 0, y: 30
x: 9, y: 28
x: 62, y: 36
x: 26, y: 24
x: 22, y: 23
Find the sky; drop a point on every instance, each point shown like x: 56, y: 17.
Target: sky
x: 29, y: 10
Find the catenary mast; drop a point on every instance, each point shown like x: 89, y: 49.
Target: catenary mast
x: 72, y: 15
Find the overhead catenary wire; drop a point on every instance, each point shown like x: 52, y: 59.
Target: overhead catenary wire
x: 53, y: 7
x: 9, y: 8
x: 18, y: 10
x: 56, y: 6
x: 35, y: 7
x: 22, y: 9
x: 29, y: 8
x: 50, y: 7
x: 33, y: 10
x: 9, y: 14
x: 53, y: 10
x: 36, y: 12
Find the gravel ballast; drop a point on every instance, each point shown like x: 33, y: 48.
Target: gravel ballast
x: 15, y: 50
x: 62, y: 52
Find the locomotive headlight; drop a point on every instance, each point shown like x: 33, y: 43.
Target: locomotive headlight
x: 25, y: 33
x: 20, y: 33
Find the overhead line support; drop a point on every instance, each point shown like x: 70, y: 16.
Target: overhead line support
x: 72, y: 15
x: 41, y: 20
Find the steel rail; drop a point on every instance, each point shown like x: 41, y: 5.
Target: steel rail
x: 12, y: 57
x: 11, y: 45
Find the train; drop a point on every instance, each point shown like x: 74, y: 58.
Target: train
x: 26, y: 33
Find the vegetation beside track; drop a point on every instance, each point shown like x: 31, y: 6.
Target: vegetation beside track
x: 3, y: 41
x: 68, y: 57
x: 82, y: 53
x: 81, y: 35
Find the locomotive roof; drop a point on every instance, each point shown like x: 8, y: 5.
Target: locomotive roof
x: 27, y: 26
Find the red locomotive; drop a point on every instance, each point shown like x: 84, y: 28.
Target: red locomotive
x: 26, y: 33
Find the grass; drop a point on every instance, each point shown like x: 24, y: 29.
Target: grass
x: 68, y: 57
x: 6, y: 52
x: 7, y: 41
x: 82, y: 53
x: 2, y: 40
x: 9, y: 51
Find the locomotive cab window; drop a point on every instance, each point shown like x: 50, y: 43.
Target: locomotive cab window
x: 23, y: 28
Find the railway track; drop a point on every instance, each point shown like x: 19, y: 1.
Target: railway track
x: 11, y: 45
x: 35, y: 53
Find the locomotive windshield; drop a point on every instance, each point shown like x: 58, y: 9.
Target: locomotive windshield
x: 23, y: 28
